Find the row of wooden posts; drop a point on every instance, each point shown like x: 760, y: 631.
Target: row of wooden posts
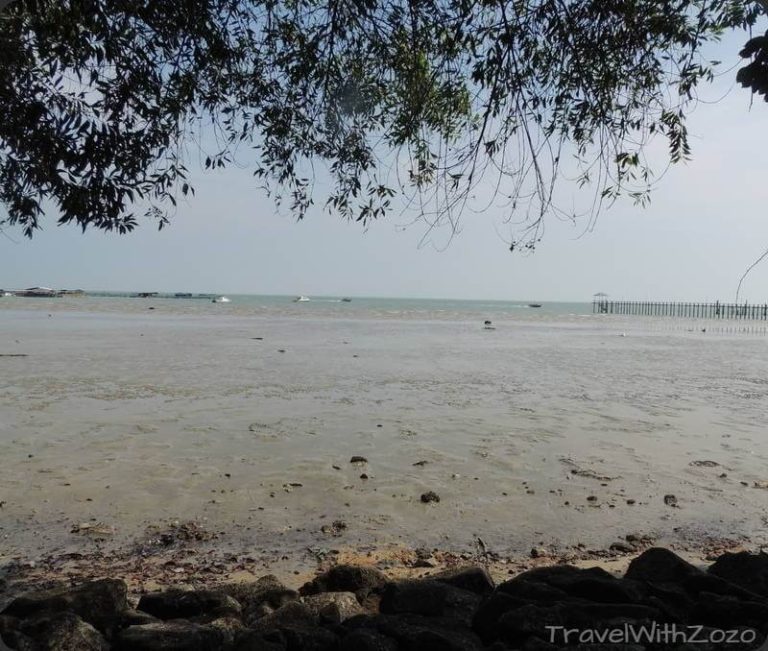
x: 715, y: 310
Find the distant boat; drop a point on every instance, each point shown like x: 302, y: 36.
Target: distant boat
x: 534, y: 304
x: 346, y: 300
x: 39, y: 292
x: 301, y: 299
x: 221, y: 299
x: 4, y: 293
x: 146, y: 295
x: 207, y: 297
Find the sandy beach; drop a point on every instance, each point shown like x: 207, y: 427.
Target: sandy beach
x: 559, y: 430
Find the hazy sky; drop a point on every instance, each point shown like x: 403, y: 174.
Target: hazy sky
x: 705, y: 225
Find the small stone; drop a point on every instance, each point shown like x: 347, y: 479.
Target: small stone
x: 430, y: 496
x: 363, y: 476
x: 592, y: 498
x: 538, y: 552
x: 358, y: 459
x: 670, y: 500
x: 630, y: 502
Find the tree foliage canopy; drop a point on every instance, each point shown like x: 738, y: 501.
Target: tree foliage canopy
x: 347, y: 103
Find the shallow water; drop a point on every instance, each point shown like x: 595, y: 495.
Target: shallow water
x: 129, y: 417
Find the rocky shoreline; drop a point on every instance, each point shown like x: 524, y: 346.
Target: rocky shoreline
x: 660, y: 603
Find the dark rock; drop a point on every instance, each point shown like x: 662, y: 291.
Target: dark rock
x: 333, y: 607
x: 56, y: 631
x: 531, y: 590
x: 418, y: 632
x: 358, y: 459
x: 254, y: 641
x: 347, y: 578
x: 622, y: 547
x: 475, y: 579
x: 660, y: 565
x: 593, y: 584
x: 430, y: 496
x: 181, y: 604
x: 99, y: 603
x: 486, y: 618
x: 728, y: 612
x: 172, y: 636
x: 365, y: 640
x: 748, y: 571
x: 429, y: 598
x: 310, y: 639
x: 260, y: 597
x: 8, y: 623
x: 418, y: 597
x: 132, y: 617
x: 515, y: 626
x: 670, y: 500
x: 292, y: 615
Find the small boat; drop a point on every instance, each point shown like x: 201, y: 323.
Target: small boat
x: 346, y: 300
x: 301, y: 299
x: 534, y: 304
x: 39, y: 292
x: 146, y: 295
x: 221, y: 299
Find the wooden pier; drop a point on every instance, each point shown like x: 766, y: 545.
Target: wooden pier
x: 715, y: 310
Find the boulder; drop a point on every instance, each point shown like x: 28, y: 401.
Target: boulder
x: 516, y: 626
x: 292, y: 615
x: 56, y: 631
x: 417, y: 632
x: 310, y: 638
x: 486, y: 619
x: 99, y: 603
x: 431, y: 599
x: 183, y: 604
x: 659, y: 565
x: 748, y: 571
x: 592, y: 584
x: 474, y: 579
x: 249, y: 640
x: 367, y: 640
x: 347, y: 578
x: 172, y: 636
x: 133, y: 617
x: 333, y: 607
x: 728, y: 612
x: 260, y: 597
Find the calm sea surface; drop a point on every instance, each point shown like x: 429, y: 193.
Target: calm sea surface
x: 245, y: 415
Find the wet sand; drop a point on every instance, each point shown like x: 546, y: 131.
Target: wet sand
x: 555, y: 433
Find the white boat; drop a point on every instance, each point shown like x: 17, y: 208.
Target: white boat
x: 4, y: 293
x: 301, y: 299
x: 221, y: 299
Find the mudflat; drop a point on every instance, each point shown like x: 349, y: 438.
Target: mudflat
x: 559, y: 432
